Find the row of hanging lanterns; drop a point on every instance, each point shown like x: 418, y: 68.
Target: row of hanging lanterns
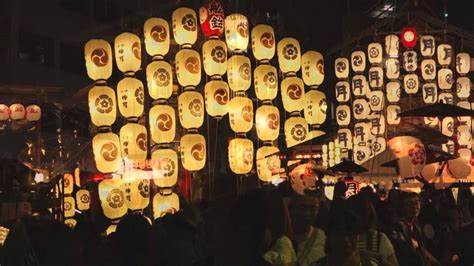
x: 18, y: 111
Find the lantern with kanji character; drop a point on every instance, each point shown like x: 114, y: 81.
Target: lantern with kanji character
x: 216, y: 94
x: 312, y: 65
x: 315, y: 107
x: 157, y: 36
x: 263, y: 42
x: 376, y: 77
x: 427, y: 45
x: 240, y: 155
x: 165, y: 167
x: 33, y: 113
x: 410, y: 61
x: 184, y: 23
x: 98, y: 55
x: 4, y: 112
x: 360, y: 86
x: 444, y: 54
x: 211, y: 18
x: 463, y: 63
x: 162, y: 121
x: 193, y: 152
x: 344, y: 138
x: 128, y: 52
x: 130, y: 94
x: 136, y: 187
x: 17, y: 111
x: 133, y: 140
x: 343, y: 93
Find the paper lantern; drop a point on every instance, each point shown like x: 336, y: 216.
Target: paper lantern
x: 446, y: 98
x: 408, y: 35
x: 98, y: 57
x: 393, y: 112
x: 289, y: 55
x: 464, y: 119
x: 361, y: 133
x: 263, y: 42
x: 188, y: 67
x: 378, y: 146
x: 191, y: 109
x: 431, y: 121
x: 70, y: 222
x: 214, y: 57
x: 241, y: 114
x: 268, y: 163
x: 162, y: 121
x: 360, y: 108
x: 313, y: 68
x: 360, y: 86
x: 361, y: 154
x: 4, y: 112
x: 239, y: 73
x: 410, y: 153
x: 391, y: 45
x: 444, y: 54
x: 292, y: 93
x: 393, y: 68
x: 107, y: 152
x: 102, y: 105
x: 159, y: 76
x: 136, y: 187
x: 68, y: 183
x: 445, y: 79
x: 237, y: 32
x: 128, y: 52
x: 343, y: 93
x: 375, y: 53
x: 83, y: 199
x: 216, y: 94
x: 133, y: 140
x: 463, y: 87
x: 211, y: 18
x: 130, y: 97
x: 358, y: 61
x: 240, y: 155
x: 430, y: 93
x: 428, y: 69
x: 463, y: 63
x: 410, y: 61
x: 376, y: 77
x: 460, y: 168
x: 157, y: 36
x: 393, y: 91
x: 69, y: 206
x: 344, y: 137
x: 341, y: 67
x: 315, y: 107
x: 296, y: 131
x: 17, y: 111
x: 184, y: 26
x: 447, y: 126
x: 464, y: 135
x: 112, y: 198
x: 427, y: 45
x: 267, y: 122
x: 266, y: 82
x: 302, y: 177
x: 343, y: 115
x: 411, y: 83
x: 377, y: 122
x: 165, y: 167
x: 165, y: 204
x: 33, y: 113
x: 193, y: 152
x: 376, y: 101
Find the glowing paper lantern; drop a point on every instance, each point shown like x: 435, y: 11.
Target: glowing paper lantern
x: 239, y: 73
x: 241, y: 114
x: 188, y: 67
x: 343, y: 115
x: 358, y: 61
x: 315, y: 107
x: 184, y: 26
x: 157, y: 36
x: 102, y: 105
x: 376, y: 101
x: 193, y: 152
x: 240, y: 155
x: 130, y: 97
x: 4, y: 112
x: 447, y: 126
x: 165, y: 167
x: 463, y: 87
x: 83, y: 199
x: 410, y: 153
x: 136, y: 186
x: 191, y: 109
x: 112, y: 198
x: 267, y: 122
x: 360, y: 86
x: 464, y: 119
x: 428, y: 69
x: 446, y: 98
x: 237, y: 32
x: 263, y: 42
x: 444, y: 54
x: 445, y: 79
x: 377, y: 122
x: 301, y: 178
x: 68, y: 182
x: 408, y: 35
x: 361, y: 133
x: 268, y: 163
x: 344, y: 138
x: 411, y: 83
x: 33, y: 113
x: 375, y: 53
x: 392, y: 114
x: 427, y: 45
x: 17, y: 111
x: 69, y: 206
x: 460, y: 168
x: 289, y: 55
x: 214, y: 57
x: 343, y: 93
x: 393, y: 91
x: 107, y: 152
x: 341, y: 67
x: 128, y: 52
x: 133, y: 140
x: 165, y: 204
x: 159, y: 76
x: 266, y: 82
x: 361, y: 154
x: 430, y: 93
x: 312, y: 65
x: 297, y: 131
x: 410, y: 61
x: 361, y: 109
x: 392, y: 45
x: 162, y: 121
x: 211, y: 18
x: 378, y: 146
x: 216, y: 94
x: 376, y: 77
x: 464, y: 135
x: 393, y: 68
x: 292, y: 93
x: 98, y: 55
x: 463, y: 63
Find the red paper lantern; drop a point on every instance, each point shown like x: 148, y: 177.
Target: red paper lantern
x: 408, y: 37
x: 211, y: 17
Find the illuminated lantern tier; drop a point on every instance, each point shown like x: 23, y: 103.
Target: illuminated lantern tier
x: 216, y: 94
x: 393, y: 68
x: 162, y: 121
x: 165, y: 204
x: 128, y: 52
x: 312, y: 65
x: 463, y: 87
x: 341, y: 67
x: 428, y: 69
x: 445, y: 79
x: 136, y: 186
x: 266, y: 82
x: 107, y: 152
x: 375, y: 53
x: 392, y: 45
x: 33, y: 113
x: 292, y: 93
x: 430, y: 93
x: 237, y: 32
x: 360, y: 86
x: 191, y: 109
x: 214, y: 57
x: 112, y: 198
x: 188, y: 67
x: 463, y: 63
x: 193, y: 152
x: 297, y: 131
x: 343, y: 115
x: 165, y: 167
x: 102, y: 105
x: 411, y: 83
x: 239, y: 73
x: 4, y: 112
x: 315, y: 107
x: 212, y: 18
x: 267, y: 122
x: 99, y: 57
x: 444, y: 54
x: 17, y: 111
x: 263, y: 42
x: 83, y: 199
x: 358, y: 61
x: 241, y: 114
x: 289, y: 55
x: 130, y: 94
x: 427, y: 46
x: 157, y: 36
x: 410, y: 153
x: 343, y: 93
x: 410, y: 61
x: 133, y: 140
x: 69, y: 206
x: 376, y: 77
x: 159, y: 76
x: 241, y: 155
x: 268, y: 163
x: 184, y: 23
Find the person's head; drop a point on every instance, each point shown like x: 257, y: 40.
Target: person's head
x: 303, y: 211
x: 410, y: 205
x: 365, y: 210
x: 342, y: 236
x: 132, y: 236
x: 340, y: 189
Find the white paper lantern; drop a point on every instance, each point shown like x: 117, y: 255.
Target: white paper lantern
x: 297, y: 131
x: 411, y: 83
x: 427, y: 45
x: 266, y: 82
x: 375, y: 53
x: 237, y: 32
x: 428, y: 69
x: 185, y: 28
x: 193, y: 152
x: 343, y: 93
x: 69, y: 206
x: 360, y: 86
x: 361, y: 133
x: 393, y: 112
x: 430, y: 93
x: 377, y: 122
x: 463, y: 63
x: 133, y: 140
x: 4, y: 112
x: 240, y: 155
x: 376, y: 77
x: 216, y: 95
x: 447, y: 126
x: 33, y: 113
x: 445, y: 79
x: 239, y: 73
x: 17, y: 111
x: 312, y: 66
x: 159, y: 76
x: 107, y: 152
x: 360, y: 108
x: 444, y: 54
x: 315, y: 107
x: 361, y: 154
x: 188, y: 67
x: 162, y: 122
x: 410, y: 61
x: 292, y: 93
x: 289, y: 55
x: 392, y: 45
x: 378, y: 146
x: 464, y: 135
x: 268, y: 163
x: 128, y: 52
x: 157, y: 36
x: 165, y: 204
x: 410, y: 153
x: 214, y: 57
x: 446, y: 97
x: 98, y: 57
x: 267, y: 122
x: 130, y: 94
x: 343, y: 115
x: 241, y: 114
x: 341, y: 68
x: 393, y: 68
x: 393, y: 91
x: 344, y: 138
x: 376, y: 101
x: 165, y: 167
x: 263, y: 42
x: 83, y: 199
x: 463, y: 87
x: 191, y: 109
x: 112, y: 198
x: 136, y: 187
x: 102, y: 105
x: 358, y: 61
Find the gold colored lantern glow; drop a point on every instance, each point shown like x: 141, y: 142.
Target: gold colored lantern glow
x: 133, y: 140
x: 98, y: 55
x: 236, y: 32
x: 165, y: 204
x: 361, y: 109
x: 191, y: 109
x: 185, y: 27
x: 4, y: 112
x: 445, y: 79
x: 107, y: 152
x: 33, y: 113
x: 159, y: 76
x: 297, y: 131
x: 427, y: 45
x: 393, y: 91
x: 239, y: 73
x: 214, y: 57
x: 17, y: 111
x: 410, y: 61
x: 410, y: 153
x: 193, y: 152
x: 188, y: 67
x: 392, y: 45
x: 112, y: 198
x: 136, y: 186
x: 360, y: 86
x: 71, y: 223
x: 463, y: 63
x: 130, y: 97
x: 343, y: 115
x: 157, y: 36
x: 343, y: 93
x: 376, y: 77
x: 289, y: 55
x: 263, y: 42
x: 447, y: 126
x: 444, y: 54
x: 315, y: 107
x: 358, y: 61
x: 430, y: 93
x: 344, y: 138
x: 268, y: 163
x: 266, y: 82
x: 431, y: 121
x: 393, y: 68
x: 69, y: 206
x: 292, y: 93
x: 393, y: 112
x: 165, y: 167
x: 460, y: 168
x: 341, y: 67
x: 267, y: 122
x: 240, y: 156
x: 312, y: 65
x: 241, y: 114
x: 162, y: 121
x: 83, y: 199
x: 128, y: 52
x: 411, y: 83
x: 375, y: 53
x: 464, y: 135
x: 68, y: 181
x: 463, y: 87
x: 216, y: 95
x: 102, y: 105
x: 446, y: 97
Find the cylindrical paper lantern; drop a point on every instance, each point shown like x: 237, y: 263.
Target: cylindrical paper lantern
x: 162, y: 121
x: 165, y: 204
x: 411, y: 83
x: 410, y: 60
x: 315, y: 107
x: 464, y: 119
x: 4, y: 112
x: 188, y: 67
x: 33, y: 113
x: 344, y: 138
x: 268, y: 163
x: 393, y: 91
x: 430, y: 93
x: 361, y: 154
x: 112, y: 198
x: 445, y: 79
x: 379, y: 146
x: 241, y: 114
x: 427, y: 45
x: 17, y: 111
x: 193, y: 152
x: 212, y: 18
x: 292, y: 93
x: 361, y: 133
x: 263, y: 42
x: 341, y: 67
x: 410, y: 153
x: 133, y: 140
x: 343, y: 93
x: 191, y: 109
x: 460, y: 168
x: 267, y: 122
x: 392, y: 45
x: 102, y: 105
x: 184, y: 26
x: 463, y: 63
x: 136, y: 185
x: 157, y: 36
x: 289, y: 55
x: 107, y: 152
x: 216, y: 94
x: 69, y: 206
x: 446, y: 97
x: 463, y: 87
x: 428, y: 69
x: 312, y: 65
x: 240, y: 155
x: 343, y: 115
x: 360, y: 86
x: 68, y: 182
x: 358, y: 61
x: 377, y: 122
x: 447, y: 126
x: 239, y: 73
x: 237, y: 32
x: 296, y: 131
x: 376, y: 101
x: 376, y: 77
x: 214, y: 57
x: 444, y: 54
x: 393, y: 68
x: 130, y: 94
x: 375, y: 53
x: 159, y: 76
x: 98, y: 55
x: 165, y: 167
x: 361, y: 109
x: 83, y: 199
x: 464, y: 135
x: 266, y: 82
x: 392, y: 114
x: 128, y: 52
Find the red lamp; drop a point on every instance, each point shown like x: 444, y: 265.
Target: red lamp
x: 408, y: 37
x: 211, y: 17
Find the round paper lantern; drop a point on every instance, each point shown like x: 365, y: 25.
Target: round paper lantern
x: 411, y: 83
x: 431, y: 121
x: 292, y: 93
x: 263, y: 42
x: 4, y: 112
x: 447, y: 126
x: 464, y: 119
x: 69, y: 206
x: 102, y: 105
x: 130, y: 94
x: 392, y: 45
x: 216, y: 94
x: 445, y: 79
x: 410, y: 61
x: 83, y: 199
x: 159, y: 76
x: 410, y: 153
x: 193, y: 152
x: 315, y: 107
x: 266, y: 82
x: 240, y: 156
x: 184, y: 26
x: 444, y: 54
x: 133, y: 140
x: 302, y: 177
x: 98, y: 55
x: 239, y: 73
x: 430, y: 93
x: 112, y: 198
x: 241, y: 114
x: 17, y: 111
x: 460, y: 168
x: 446, y: 98
x: 358, y: 61
x: 68, y: 182
x: 375, y: 53
x: 107, y: 152
x: 312, y: 65
x: 343, y: 93
x: 361, y: 133
x: 211, y: 18
x: 429, y: 171
x: 157, y: 36
x: 360, y: 108
x: 289, y: 55
x: 392, y: 114
x: 296, y: 131
x: 463, y: 63
x: 393, y: 68
x: 393, y: 91
x: 408, y: 35
x: 427, y: 45
x: 268, y: 163
x: 376, y: 77
x: 344, y: 138
x: 463, y: 87
x: 214, y: 57
x: 136, y: 185
x: 343, y: 115
x: 360, y: 86
x: 361, y: 154
x: 188, y: 67
x: 33, y: 113
x: 267, y: 122
x: 379, y: 146
x: 376, y: 101
x: 428, y: 69
x: 165, y: 167
x: 464, y: 135
x: 191, y: 109
x: 237, y: 32
x: 165, y: 204
x: 162, y: 121
x: 341, y: 67
x: 128, y: 52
